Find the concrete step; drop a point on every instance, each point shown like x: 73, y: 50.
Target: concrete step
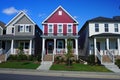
x: 112, y: 67
x: 45, y: 65
x: 106, y: 59
x: 48, y: 58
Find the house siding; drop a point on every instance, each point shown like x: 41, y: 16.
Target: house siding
x: 24, y: 33
x: 46, y: 29
x: 1, y: 31
x: 64, y: 29
x: 64, y: 18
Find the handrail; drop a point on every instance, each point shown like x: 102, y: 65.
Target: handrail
x: 99, y: 56
x: 7, y: 54
x: 54, y: 54
x: 111, y: 56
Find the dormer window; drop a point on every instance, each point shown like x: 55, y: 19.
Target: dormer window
x: 59, y: 13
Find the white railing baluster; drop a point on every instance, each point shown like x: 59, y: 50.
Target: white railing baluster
x: 99, y: 56
x: 111, y: 56
x: 7, y: 54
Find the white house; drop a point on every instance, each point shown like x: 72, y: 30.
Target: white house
x: 101, y: 36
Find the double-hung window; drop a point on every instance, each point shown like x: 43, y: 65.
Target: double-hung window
x: 50, y: 28
x: 96, y: 27
x: 116, y: 27
x: 69, y: 28
x: 21, y: 28
x: 106, y: 27
x: 60, y: 30
x: 27, y: 28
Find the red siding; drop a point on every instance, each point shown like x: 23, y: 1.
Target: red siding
x: 64, y: 29
x: 55, y: 29
x: 74, y: 29
x: 45, y: 29
x: 64, y: 18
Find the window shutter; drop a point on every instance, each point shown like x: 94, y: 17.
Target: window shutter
x: 55, y: 29
x: 30, y: 28
x: 64, y: 29
x: 74, y: 29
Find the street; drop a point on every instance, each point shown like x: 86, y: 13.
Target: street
x: 35, y: 77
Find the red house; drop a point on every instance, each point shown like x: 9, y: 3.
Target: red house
x: 57, y: 28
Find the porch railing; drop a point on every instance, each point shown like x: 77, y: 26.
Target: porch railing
x: 111, y: 56
x: 99, y: 55
x: 7, y: 54
x: 63, y: 51
x: 1, y: 51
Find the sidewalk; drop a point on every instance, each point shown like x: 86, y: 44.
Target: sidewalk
x: 105, y: 75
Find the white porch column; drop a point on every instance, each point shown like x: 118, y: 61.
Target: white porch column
x: 76, y: 46
x: 107, y: 43
x: 12, y: 42
x: 66, y: 45
x: 95, y: 46
x: 30, y: 47
x: 55, y: 45
x: 43, y: 47
x: 118, y: 44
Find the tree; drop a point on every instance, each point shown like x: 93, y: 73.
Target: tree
x: 69, y: 54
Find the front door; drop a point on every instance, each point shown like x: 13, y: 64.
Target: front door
x: 98, y: 46
x: 50, y: 46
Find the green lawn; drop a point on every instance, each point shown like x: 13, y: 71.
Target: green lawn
x: 19, y: 65
x: 79, y: 67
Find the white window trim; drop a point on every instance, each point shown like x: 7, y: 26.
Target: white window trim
x: 49, y: 28
x: 58, y: 28
x: 71, y: 28
x: 25, y: 28
x: 58, y: 44
x: 116, y: 27
x: 60, y: 12
x: 108, y: 28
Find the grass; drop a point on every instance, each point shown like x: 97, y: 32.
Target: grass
x: 79, y: 67
x: 19, y: 65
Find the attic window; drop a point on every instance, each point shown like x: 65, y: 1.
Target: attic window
x: 59, y: 12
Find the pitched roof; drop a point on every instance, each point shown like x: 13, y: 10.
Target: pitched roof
x: 105, y: 19
x: 2, y: 24
x: 18, y: 16
x: 55, y: 11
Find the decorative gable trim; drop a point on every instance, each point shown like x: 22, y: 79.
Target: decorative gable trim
x: 55, y: 11
x: 18, y: 16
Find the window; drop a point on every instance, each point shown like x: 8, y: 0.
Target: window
x: 60, y: 13
x: 106, y: 27
x: 20, y: 28
x: 60, y: 44
x: 50, y: 28
x: 96, y: 27
x: 24, y: 45
x: 60, y: 28
x: 27, y: 28
x: 12, y: 30
x: 69, y: 28
x: 116, y: 27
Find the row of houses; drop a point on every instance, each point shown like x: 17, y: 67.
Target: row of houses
x: 99, y: 36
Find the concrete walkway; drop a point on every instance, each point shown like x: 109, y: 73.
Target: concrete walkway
x: 78, y: 74
x: 45, y: 65
x: 112, y: 67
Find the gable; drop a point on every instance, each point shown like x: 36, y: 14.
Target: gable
x: 24, y: 20
x: 60, y: 15
x: 19, y: 18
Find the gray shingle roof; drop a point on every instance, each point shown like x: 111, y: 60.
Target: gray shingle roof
x: 105, y: 19
x: 2, y: 24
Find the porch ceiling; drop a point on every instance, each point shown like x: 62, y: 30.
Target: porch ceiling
x: 106, y: 35
x: 10, y: 37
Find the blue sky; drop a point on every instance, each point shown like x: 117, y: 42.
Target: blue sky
x: 38, y: 10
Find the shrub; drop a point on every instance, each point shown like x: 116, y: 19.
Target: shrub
x: 12, y: 57
x: 22, y: 57
x: 91, y: 59
x: 117, y: 62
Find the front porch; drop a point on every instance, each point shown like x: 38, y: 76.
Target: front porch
x: 57, y: 46
x: 107, y: 49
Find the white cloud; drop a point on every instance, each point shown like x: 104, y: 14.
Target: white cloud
x: 12, y: 10
x: 76, y: 17
x: 42, y: 15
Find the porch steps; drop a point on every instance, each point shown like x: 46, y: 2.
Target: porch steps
x: 45, y: 65
x: 48, y: 58
x: 112, y: 67
x: 106, y: 59
x: 2, y: 58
